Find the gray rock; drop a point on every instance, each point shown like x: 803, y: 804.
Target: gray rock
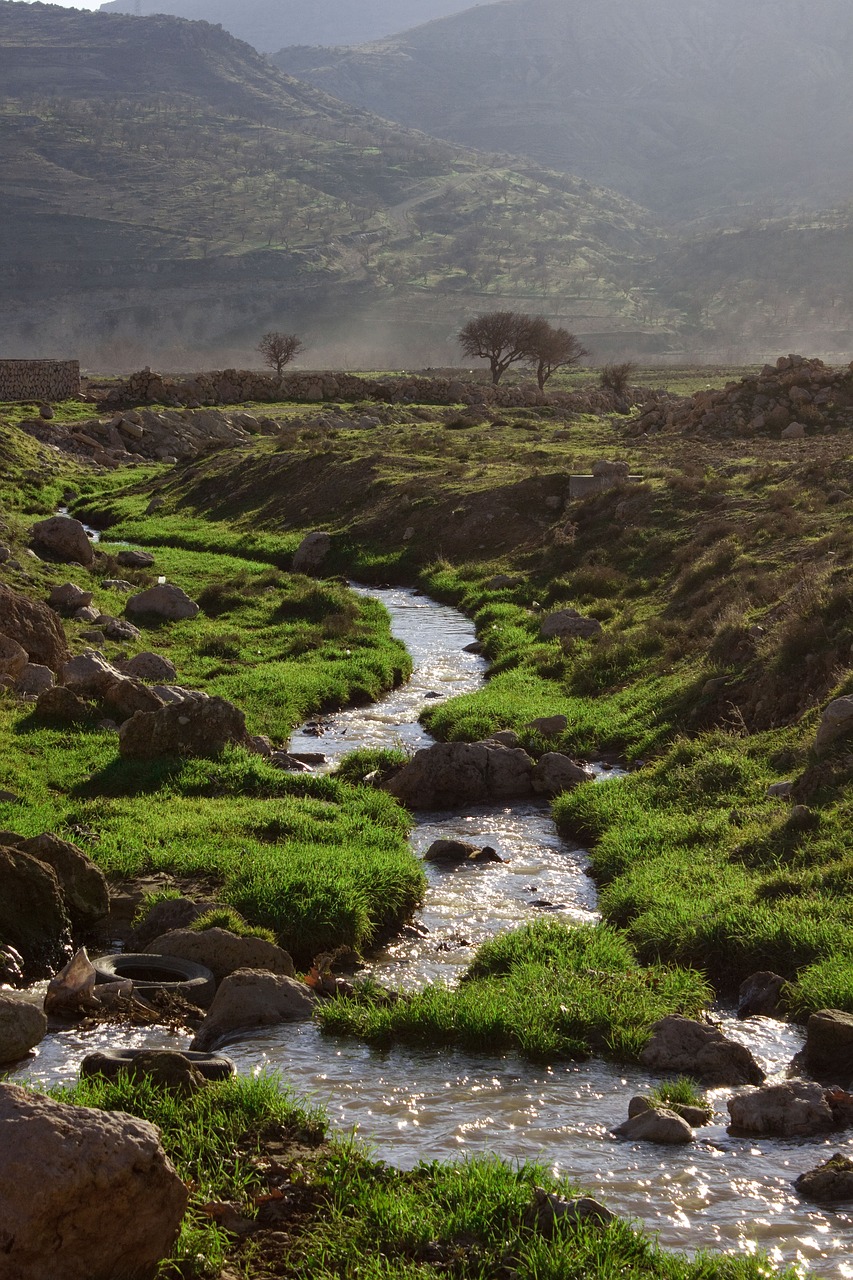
x: 568, y: 624
x: 35, y: 627
x: 163, y: 601
x: 311, y: 553
x: 136, y: 559
x: 836, y: 722
x: 88, y: 1194
x: 450, y: 774
x: 254, y: 998
x: 683, y: 1045
x: 554, y: 773
x: 165, y: 916
x: 33, y: 917
x: 22, y: 1027
x: 656, y: 1124
x: 223, y: 952
x: 13, y: 660
x: 87, y: 613
x: 201, y: 727
x: 795, y: 1109
x: 760, y: 995
x: 63, y: 705
x: 828, y: 1052
x: 82, y: 884
x: 549, y: 1212
x: 85, y: 673
x: 68, y: 598
x: 117, y: 584
x: 62, y: 538
x: 456, y: 853
x: 779, y: 790
x: 549, y: 726
x: 150, y: 666
x: 830, y: 1183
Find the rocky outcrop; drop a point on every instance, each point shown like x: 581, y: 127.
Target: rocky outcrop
x: 830, y: 1183
x: 201, y: 726
x: 795, y: 1109
x: 62, y: 538
x: 450, y: 774
x: 22, y: 1027
x: 223, y: 952
x: 253, y: 998
x: 828, y: 1052
x: 311, y: 553
x: 163, y: 601
x: 33, y: 918
x: 701, y: 1051
x: 35, y: 627
x: 87, y: 1194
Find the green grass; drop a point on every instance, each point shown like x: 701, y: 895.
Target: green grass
x: 545, y: 991
x: 682, y: 1092
x: 361, y: 1219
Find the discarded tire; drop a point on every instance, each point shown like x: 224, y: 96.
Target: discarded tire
x: 151, y: 973
x: 109, y: 1062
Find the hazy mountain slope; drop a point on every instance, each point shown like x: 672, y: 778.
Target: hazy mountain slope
x: 269, y: 24
x: 161, y: 181
x: 690, y: 106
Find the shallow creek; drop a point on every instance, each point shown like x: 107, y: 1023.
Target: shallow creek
x: 719, y: 1193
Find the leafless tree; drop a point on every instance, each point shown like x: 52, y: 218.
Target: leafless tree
x: 550, y: 349
x: 501, y: 337
x: 278, y: 349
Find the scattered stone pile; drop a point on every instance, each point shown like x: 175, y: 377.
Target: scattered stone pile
x: 234, y: 386
x: 163, y: 436
x: 794, y: 398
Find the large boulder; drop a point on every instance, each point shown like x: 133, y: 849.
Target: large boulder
x: 35, y: 627
x: 568, y: 624
x: 33, y: 680
x: 795, y: 1109
x: 699, y: 1050
x: 830, y: 1183
x: 59, y: 703
x: 82, y: 884
x: 33, y: 918
x: 657, y: 1124
x: 554, y: 773
x: 828, y: 1052
x: 22, y: 1026
x: 87, y: 1194
x: 450, y: 774
x: 163, y: 601
x: 253, y: 998
x: 62, y: 538
x: 13, y: 660
x: 223, y: 952
x: 311, y: 553
x: 836, y: 722
x: 85, y: 673
x: 200, y: 727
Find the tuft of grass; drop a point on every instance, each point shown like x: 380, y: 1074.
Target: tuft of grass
x: 683, y: 1092
x: 228, y: 918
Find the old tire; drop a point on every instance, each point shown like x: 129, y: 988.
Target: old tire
x: 151, y: 973
x: 109, y: 1062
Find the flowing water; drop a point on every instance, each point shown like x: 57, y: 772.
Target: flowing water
x: 719, y: 1193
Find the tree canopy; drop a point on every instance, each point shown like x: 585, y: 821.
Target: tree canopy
x: 505, y: 338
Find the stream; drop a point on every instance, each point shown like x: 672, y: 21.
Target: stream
x: 719, y: 1193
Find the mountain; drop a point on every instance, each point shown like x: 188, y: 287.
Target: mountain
x: 694, y: 108
x: 269, y: 24
x: 166, y: 193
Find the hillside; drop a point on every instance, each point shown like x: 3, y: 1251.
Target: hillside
x: 173, y: 192
x: 269, y: 24
x: 693, y: 110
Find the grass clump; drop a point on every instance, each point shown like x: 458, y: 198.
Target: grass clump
x: 545, y: 990
x: 373, y: 763
x: 683, y: 1092
x: 228, y: 918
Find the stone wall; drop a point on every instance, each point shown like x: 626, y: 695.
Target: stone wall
x: 46, y: 380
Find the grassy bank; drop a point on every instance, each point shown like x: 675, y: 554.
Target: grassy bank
x: 348, y: 1217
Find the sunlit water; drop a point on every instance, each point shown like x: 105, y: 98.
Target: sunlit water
x: 719, y: 1193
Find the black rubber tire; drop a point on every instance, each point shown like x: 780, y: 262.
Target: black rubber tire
x: 109, y: 1062
x: 179, y: 977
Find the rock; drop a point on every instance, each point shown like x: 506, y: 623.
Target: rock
x: 682, y: 1044
x: 828, y: 1052
x: 836, y: 721
x: 656, y: 1124
x: 118, y: 629
x: 254, y: 998
x: 136, y: 559
x: 33, y: 918
x: 13, y: 660
x: 62, y: 538
x: 88, y: 1194
x: 554, y: 773
x: 830, y: 1183
x: 548, y: 1212
x: 779, y: 790
x: 795, y: 1109
x: 613, y: 470
x: 124, y: 697
x: 222, y: 952
x: 503, y: 581
x: 35, y: 627
x: 150, y: 666
x: 201, y: 727
x: 311, y: 553
x: 22, y: 1027
x: 476, y: 646
x: 455, y: 853
x: 795, y: 431
x: 506, y: 738
x: 760, y: 995
x: 549, y: 726
x: 68, y: 598
x: 87, y: 614
x: 62, y: 704
x: 567, y: 624
x: 163, y: 601
x: 166, y: 1068
x: 450, y: 774
x: 83, y: 885
x: 11, y: 967
x: 165, y: 916
x: 117, y: 584
x: 85, y: 673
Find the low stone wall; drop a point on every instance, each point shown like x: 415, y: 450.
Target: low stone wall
x: 45, y: 380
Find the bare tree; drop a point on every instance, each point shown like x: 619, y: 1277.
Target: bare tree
x: 501, y: 337
x: 549, y: 349
x: 278, y: 349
